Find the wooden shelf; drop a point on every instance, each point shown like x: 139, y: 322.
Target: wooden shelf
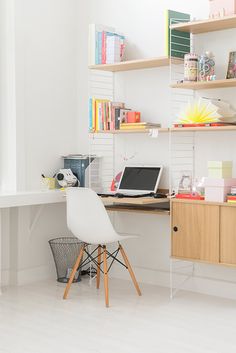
x: 136, y: 64
x: 225, y: 83
x: 173, y: 129
x: 207, y: 128
x: 206, y: 26
x: 133, y: 131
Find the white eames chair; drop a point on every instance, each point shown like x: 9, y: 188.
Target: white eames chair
x: 88, y: 220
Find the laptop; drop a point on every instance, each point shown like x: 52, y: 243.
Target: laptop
x: 138, y: 181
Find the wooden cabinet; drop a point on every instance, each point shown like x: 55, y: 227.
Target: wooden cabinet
x: 228, y: 235
x: 195, y: 231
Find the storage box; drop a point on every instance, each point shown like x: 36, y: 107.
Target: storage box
x: 221, y: 8
x: 133, y: 117
x: 216, y: 189
x: 220, y: 169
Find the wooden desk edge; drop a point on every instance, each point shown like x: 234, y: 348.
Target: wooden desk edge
x: 123, y: 208
x: 134, y: 201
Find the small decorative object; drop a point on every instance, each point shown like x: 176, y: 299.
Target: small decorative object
x: 115, y: 182
x: 133, y: 117
x: 190, y: 67
x: 206, y: 67
x: 185, y: 184
x: 221, y: 8
x: 198, y: 186
x: 199, y: 111
x: 231, y: 73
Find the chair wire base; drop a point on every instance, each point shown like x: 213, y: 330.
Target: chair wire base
x: 93, y: 259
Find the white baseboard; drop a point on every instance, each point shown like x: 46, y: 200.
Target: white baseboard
x: 26, y: 276
x: 5, y: 277
x: 36, y: 274
x: 209, y: 286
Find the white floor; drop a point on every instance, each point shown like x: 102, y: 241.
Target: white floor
x: 35, y: 319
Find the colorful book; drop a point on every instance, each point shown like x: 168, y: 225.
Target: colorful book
x: 93, y: 45
x: 90, y: 114
x: 177, y: 43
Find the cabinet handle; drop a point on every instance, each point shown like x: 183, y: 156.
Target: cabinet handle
x: 175, y: 229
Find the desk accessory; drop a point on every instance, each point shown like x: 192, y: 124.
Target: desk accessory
x: 199, y: 111
x: 48, y: 183
x: 66, y: 178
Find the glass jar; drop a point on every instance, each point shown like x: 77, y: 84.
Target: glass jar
x: 191, y: 67
x: 206, y: 67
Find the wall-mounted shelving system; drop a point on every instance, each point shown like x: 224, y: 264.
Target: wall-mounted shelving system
x: 103, y: 85
x: 196, y: 237
x: 181, y: 88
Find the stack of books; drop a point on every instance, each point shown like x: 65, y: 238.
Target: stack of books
x: 105, y: 45
x: 139, y: 126
x: 231, y: 198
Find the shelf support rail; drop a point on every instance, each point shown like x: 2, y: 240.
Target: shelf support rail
x: 174, y: 289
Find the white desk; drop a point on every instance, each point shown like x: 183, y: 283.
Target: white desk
x: 28, y: 198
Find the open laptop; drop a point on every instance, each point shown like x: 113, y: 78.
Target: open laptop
x: 137, y: 181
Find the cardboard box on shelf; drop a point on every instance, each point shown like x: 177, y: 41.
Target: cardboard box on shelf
x: 216, y: 189
x: 220, y: 169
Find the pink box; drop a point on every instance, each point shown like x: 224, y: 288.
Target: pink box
x: 216, y: 190
x: 221, y: 8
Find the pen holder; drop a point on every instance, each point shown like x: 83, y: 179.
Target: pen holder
x: 48, y: 183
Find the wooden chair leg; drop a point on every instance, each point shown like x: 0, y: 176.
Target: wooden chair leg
x: 130, y: 270
x: 105, y: 276
x: 98, y: 266
x: 75, y: 268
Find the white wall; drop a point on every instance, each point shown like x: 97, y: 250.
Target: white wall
x: 46, y: 86
x: 41, y: 81
x: 7, y: 96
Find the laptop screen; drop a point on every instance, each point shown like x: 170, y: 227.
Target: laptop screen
x: 140, y: 178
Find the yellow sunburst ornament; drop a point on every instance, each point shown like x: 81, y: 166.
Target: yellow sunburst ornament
x: 199, y: 111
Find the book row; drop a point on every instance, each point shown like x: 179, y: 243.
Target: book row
x: 105, y: 45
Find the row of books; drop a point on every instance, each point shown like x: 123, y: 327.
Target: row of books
x: 105, y: 45
x: 105, y: 115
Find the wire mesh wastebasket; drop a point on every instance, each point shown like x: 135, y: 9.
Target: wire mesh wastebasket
x: 65, y: 251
